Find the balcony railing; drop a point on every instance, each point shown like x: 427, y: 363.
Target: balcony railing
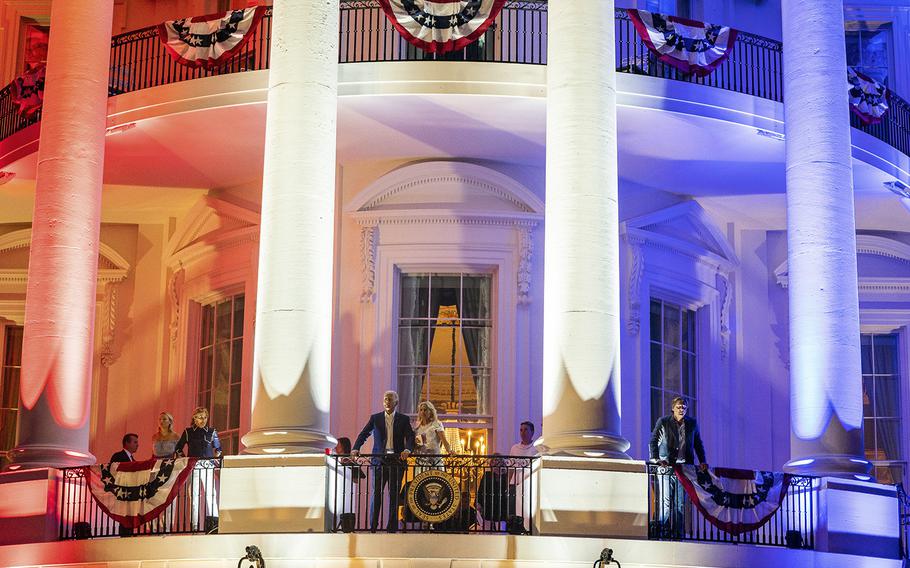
x: 193, y: 510
x: 903, y: 511
x: 518, y: 36
x: 477, y: 494
x: 673, y: 516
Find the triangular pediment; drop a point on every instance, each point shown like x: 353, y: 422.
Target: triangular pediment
x: 686, y: 228
x: 209, y: 222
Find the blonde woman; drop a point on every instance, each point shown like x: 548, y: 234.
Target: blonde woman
x: 164, y: 441
x: 429, y: 436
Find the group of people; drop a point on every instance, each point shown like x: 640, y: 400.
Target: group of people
x: 198, y: 440
x: 395, y: 440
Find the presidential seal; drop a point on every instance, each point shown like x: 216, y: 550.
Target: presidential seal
x: 433, y: 496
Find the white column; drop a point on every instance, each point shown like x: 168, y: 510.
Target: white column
x: 826, y: 410
x: 57, y: 349
x: 581, y: 275
x: 292, y: 353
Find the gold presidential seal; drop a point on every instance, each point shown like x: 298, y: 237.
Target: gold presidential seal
x: 433, y: 496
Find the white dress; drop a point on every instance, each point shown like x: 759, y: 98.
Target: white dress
x: 429, y: 446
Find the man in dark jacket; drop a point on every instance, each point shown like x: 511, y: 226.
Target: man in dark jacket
x: 130, y: 444
x: 393, y: 438
x: 675, y: 440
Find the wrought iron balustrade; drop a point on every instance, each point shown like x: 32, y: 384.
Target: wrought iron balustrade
x: 453, y: 493
x: 193, y: 510
x: 518, y: 35
x: 903, y: 511
x: 673, y: 516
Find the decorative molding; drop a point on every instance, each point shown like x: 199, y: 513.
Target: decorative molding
x: 112, y: 266
x: 525, y: 252
x: 412, y: 217
x: 870, y: 245
x: 435, y: 173
x: 109, y: 354
x: 726, y: 299
x: 636, y: 271
x: 190, y: 243
x: 368, y: 241
x: 175, y: 291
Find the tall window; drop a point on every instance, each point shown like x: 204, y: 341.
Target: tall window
x: 10, y: 367
x: 673, y: 364
x: 869, y: 49
x: 220, y: 365
x: 882, y: 406
x: 444, y: 339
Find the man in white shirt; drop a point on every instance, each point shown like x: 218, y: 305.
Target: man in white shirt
x: 525, y: 447
x: 521, y: 475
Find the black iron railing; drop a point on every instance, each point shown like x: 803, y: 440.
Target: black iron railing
x: 454, y: 493
x: 673, y: 516
x: 193, y: 510
x: 518, y: 35
x: 903, y: 511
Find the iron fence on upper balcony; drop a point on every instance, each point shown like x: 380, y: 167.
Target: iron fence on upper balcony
x: 453, y: 493
x: 518, y: 35
x: 194, y: 509
x: 903, y: 512
x: 673, y: 516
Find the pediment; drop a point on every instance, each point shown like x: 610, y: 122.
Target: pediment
x: 210, y: 223
x: 883, y: 265
x: 685, y: 228
x: 445, y: 187
x: 14, y: 252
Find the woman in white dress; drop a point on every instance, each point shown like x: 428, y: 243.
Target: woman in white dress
x: 429, y: 437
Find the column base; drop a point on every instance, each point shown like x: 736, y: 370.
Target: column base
x: 40, y: 456
x: 272, y: 441
x: 590, y: 444
x: 830, y: 466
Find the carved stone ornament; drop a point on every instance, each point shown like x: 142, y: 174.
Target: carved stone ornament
x: 723, y: 279
x: 525, y: 252
x: 636, y: 270
x: 175, y: 289
x: 368, y: 237
x: 109, y: 354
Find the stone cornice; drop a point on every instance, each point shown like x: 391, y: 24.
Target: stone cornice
x: 440, y: 217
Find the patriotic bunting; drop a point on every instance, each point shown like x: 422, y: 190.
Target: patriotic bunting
x: 734, y: 500
x: 868, y: 97
x: 133, y: 493
x: 688, y: 45
x: 439, y: 26
x: 28, y: 91
x: 209, y: 41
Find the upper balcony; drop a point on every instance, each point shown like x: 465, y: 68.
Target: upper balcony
x: 508, y: 61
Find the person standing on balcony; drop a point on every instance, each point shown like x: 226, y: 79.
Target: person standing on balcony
x: 201, y: 441
x: 164, y: 441
x: 429, y: 438
x: 130, y: 444
x: 393, y: 440
x: 675, y: 440
x: 525, y: 446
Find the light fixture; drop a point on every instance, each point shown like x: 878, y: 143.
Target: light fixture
x: 253, y: 556
x: 606, y: 558
x: 6, y: 177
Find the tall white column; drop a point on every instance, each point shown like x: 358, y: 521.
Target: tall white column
x: 57, y: 348
x: 826, y: 410
x: 292, y: 353
x: 581, y: 273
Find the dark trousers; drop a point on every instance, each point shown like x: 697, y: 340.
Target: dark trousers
x: 386, y: 471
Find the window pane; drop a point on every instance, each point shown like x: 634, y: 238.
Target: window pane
x: 887, y: 439
x: 223, y: 321
x: 889, y: 474
x: 887, y: 397
x: 671, y: 325
x: 866, y: 353
x: 656, y: 366
x: 477, y: 345
x: 687, y: 330
x: 205, y: 369
x: 688, y: 376
x: 656, y: 406
x: 238, y: 316
x: 13, y: 356
x: 236, y: 360
x: 207, y: 323
x: 412, y: 345
x: 414, y: 296
x: 672, y: 382
x: 869, y: 439
x: 410, y: 383
x: 655, y: 321
x: 885, y: 351
x: 234, y: 417
x: 475, y: 297
x: 868, y: 397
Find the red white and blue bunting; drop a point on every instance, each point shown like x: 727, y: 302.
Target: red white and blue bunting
x: 868, y: 97
x: 439, y: 26
x: 133, y: 493
x: 28, y: 91
x: 688, y: 45
x: 734, y: 500
x: 209, y: 41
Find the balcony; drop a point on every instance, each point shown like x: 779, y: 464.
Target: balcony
x: 518, y: 36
